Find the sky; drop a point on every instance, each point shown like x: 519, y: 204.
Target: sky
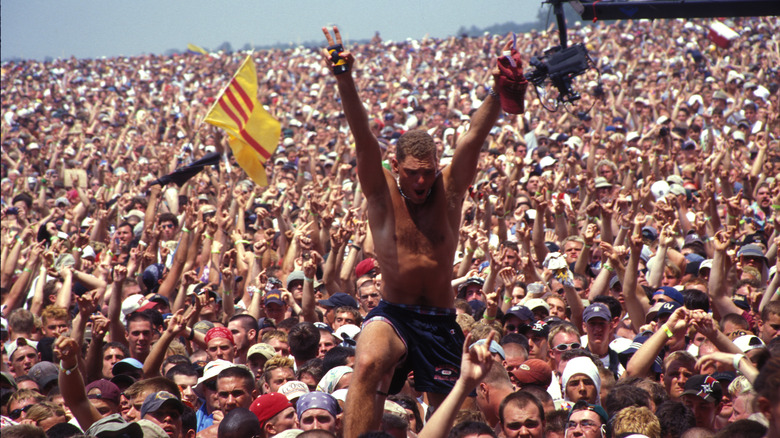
x: 35, y: 29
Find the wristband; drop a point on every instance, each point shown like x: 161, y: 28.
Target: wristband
x: 207, y: 236
x: 27, y: 270
x: 469, y: 251
x: 507, y: 299
x: 488, y: 318
x: 668, y: 332
x: 215, y: 251
x: 356, y: 247
x: 730, y: 216
x: 736, y: 360
x: 776, y: 207
x: 241, y: 241
x: 226, y: 292
x: 491, y: 91
x: 68, y: 371
x: 609, y: 268
x: 310, y: 280
x: 185, y: 230
x: 623, y: 227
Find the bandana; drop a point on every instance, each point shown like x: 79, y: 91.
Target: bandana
x: 220, y: 332
x: 317, y: 400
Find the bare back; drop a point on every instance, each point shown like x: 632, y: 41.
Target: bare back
x: 416, y: 244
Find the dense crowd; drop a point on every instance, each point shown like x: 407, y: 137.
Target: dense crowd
x: 618, y: 262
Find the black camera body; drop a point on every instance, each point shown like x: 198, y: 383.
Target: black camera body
x: 560, y: 66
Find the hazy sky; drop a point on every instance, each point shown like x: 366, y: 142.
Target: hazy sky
x: 93, y: 28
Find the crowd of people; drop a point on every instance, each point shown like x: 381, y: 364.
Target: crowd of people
x: 614, y: 274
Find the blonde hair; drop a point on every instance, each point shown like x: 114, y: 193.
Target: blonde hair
x: 636, y: 420
x: 43, y: 410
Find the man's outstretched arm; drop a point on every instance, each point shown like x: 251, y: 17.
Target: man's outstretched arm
x: 369, y: 156
x: 459, y: 174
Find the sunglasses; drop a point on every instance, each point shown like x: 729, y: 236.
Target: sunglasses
x: 16, y: 413
x: 564, y: 347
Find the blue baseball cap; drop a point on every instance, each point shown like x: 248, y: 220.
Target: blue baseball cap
x: 596, y: 310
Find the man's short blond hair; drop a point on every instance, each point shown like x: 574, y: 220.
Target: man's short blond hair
x: 639, y: 420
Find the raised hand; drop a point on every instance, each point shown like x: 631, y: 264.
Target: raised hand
x: 338, y: 53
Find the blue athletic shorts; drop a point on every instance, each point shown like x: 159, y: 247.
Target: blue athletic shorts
x: 434, y: 344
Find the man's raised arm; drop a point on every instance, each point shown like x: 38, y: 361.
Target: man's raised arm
x: 459, y: 174
x: 369, y: 156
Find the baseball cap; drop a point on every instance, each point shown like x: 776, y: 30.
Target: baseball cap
x: 748, y: 342
x: 268, y: 405
x: 44, y: 373
x: 668, y: 308
x: 537, y: 329
x: 671, y: 293
x: 347, y: 333
x: 534, y: 372
x: 128, y: 365
x: 521, y: 312
x: 103, y: 390
x: 275, y: 297
x: 704, y: 386
x: 493, y: 348
x: 264, y: 349
x: 115, y: 426
x: 293, y: 389
x: 365, y: 267
x: 339, y: 299
x: 20, y: 342
x: 156, y: 400
x: 649, y: 233
x: 294, y: 276
x: 533, y: 303
x: 211, y: 371
x: 751, y: 250
x: 596, y: 310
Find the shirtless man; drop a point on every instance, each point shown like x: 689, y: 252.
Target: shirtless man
x: 414, y: 220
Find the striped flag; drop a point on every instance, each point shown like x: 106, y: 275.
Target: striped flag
x: 253, y: 133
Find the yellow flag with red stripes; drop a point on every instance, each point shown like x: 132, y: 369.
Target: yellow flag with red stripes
x: 253, y: 134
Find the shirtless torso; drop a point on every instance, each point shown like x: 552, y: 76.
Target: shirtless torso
x: 414, y: 220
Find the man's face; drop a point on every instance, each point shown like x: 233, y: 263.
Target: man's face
x: 55, y: 327
x: 233, y: 394
x: 537, y: 347
x: 256, y: 362
x: 585, y: 424
x: 220, y: 348
x: 23, y: 359
x: 677, y: 373
x: 21, y: 405
x: 572, y: 250
x: 509, y: 258
x: 278, y: 377
x: 111, y: 357
x: 562, y: 342
x: 368, y: 294
x: 124, y: 234
x: 703, y: 410
x: 599, y: 334
x: 416, y: 177
x: 327, y: 342
x: 770, y: 328
x: 762, y: 197
x: 168, y: 230
x: 241, y: 336
x: 134, y: 406
x: 343, y: 318
x: 318, y: 419
x: 139, y: 335
x: 280, y: 347
x: 557, y: 307
x: 186, y: 385
x: 741, y: 407
x: 523, y: 421
x: 474, y: 292
x: 581, y: 387
x: 284, y: 420
x: 275, y: 311
x: 168, y: 418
